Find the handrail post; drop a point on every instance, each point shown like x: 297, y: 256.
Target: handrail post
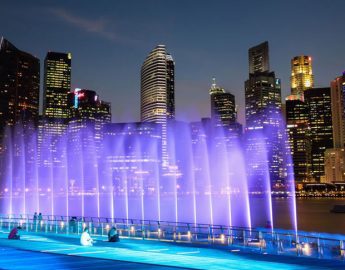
x: 261, y: 241
x: 230, y: 237
x: 298, y: 246
x: 210, y: 234
x: 279, y: 243
x: 142, y: 230
x: 244, y: 237
x: 319, y: 249
x: 342, y: 249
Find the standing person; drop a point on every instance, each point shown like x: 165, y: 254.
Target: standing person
x: 39, y: 217
x: 14, y: 234
x: 40, y: 220
x: 113, y: 235
x: 85, y: 238
x: 35, y: 220
x: 73, y: 224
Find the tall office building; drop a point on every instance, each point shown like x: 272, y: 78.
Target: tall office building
x: 259, y: 58
x: 19, y: 85
x: 19, y: 101
x: 157, y: 86
x: 297, y: 123
x: 264, y: 132
x: 87, y: 108
x: 334, y: 165
x: 157, y: 92
x: 170, y: 87
x: 338, y: 114
x: 89, y: 114
x: 335, y: 157
x: 262, y: 100
x: 302, y: 77
x: 57, y: 85
x: 297, y: 119
x: 54, y: 122
x: 318, y: 101
x: 223, y: 108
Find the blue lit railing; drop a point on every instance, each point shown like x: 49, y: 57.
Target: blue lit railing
x: 260, y: 241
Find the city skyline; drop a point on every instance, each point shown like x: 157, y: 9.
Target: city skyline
x: 112, y: 66
x: 212, y: 132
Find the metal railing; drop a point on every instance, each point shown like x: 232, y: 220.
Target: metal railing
x: 259, y: 241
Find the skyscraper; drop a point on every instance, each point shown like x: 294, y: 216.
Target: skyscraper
x: 157, y: 92
x: 302, y: 77
x: 170, y: 87
x: 19, y: 85
x: 87, y: 108
x: 259, y: 58
x: 262, y: 99
x: 321, y: 130
x: 89, y: 114
x: 335, y: 157
x: 334, y: 165
x: 157, y: 86
x: 297, y: 122
x: 297, y: 119
x: 57, y: 85
x: 56, y: 113
x: 338, y: 114
x: 19, y: 103
x: 223, y: 108
x: 264, y: 132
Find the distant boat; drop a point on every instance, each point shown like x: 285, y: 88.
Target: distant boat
x: 338, y: 208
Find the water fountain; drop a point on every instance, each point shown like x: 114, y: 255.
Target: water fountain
x: 206, y: 181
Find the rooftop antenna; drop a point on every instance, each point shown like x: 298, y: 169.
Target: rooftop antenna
x: 214, y: 85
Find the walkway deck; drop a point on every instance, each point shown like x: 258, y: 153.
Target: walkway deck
x: 64, y: 252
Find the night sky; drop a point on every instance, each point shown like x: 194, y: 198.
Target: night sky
x: 109, y: 41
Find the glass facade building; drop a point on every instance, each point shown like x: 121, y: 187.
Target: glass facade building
x: 223, y: 108
x: 19, y: 85
x: 318, y: 101
x: 57, y: 85
x: 297, y: 122
x: 338, y: 114
x: 19, y: 110
x: 56, y: 113
x: 88, y: 116
x: 157, y: 102
x: 264, y: 128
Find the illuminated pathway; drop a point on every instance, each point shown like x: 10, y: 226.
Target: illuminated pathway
x: 56, y: 252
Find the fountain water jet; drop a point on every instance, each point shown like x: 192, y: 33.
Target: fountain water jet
x: 208, y: 179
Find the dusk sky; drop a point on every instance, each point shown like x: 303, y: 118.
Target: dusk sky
x: 109, y: 41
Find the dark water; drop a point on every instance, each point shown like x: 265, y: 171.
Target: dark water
x: 313, y: 214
